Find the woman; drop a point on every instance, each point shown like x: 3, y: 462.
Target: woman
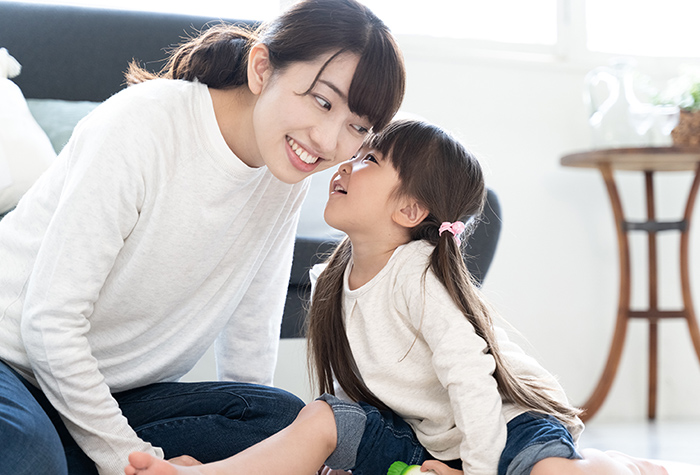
x: 167, y: 223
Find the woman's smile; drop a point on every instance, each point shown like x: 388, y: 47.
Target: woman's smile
x: 300, y: 157
x: 301, y: 152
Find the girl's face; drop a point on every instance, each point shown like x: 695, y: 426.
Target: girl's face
x: 299, y: 134
x: 361, y: 196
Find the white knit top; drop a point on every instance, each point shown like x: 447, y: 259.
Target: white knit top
x: 144, y: 243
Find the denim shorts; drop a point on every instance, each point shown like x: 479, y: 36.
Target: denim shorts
x: 370, y: 440
x: 532, y: 438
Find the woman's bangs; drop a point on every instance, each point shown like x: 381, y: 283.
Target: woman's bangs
x: 377, y: 88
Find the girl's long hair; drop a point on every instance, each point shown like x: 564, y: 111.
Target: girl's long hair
x: 218, y: 57
x: 441, y: 174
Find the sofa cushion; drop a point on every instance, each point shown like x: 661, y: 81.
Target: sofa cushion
x: 25, y: 150
x: 58, y: 118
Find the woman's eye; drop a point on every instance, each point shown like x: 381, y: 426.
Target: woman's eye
x: 361, y: 130
x: 323, y: 103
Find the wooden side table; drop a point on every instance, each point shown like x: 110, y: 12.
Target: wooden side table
x: 648, y: 161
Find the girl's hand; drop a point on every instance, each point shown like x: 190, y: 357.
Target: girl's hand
x: 439, y: 468
x: 184, y: 460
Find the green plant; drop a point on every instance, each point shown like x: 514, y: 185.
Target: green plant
x: 683, y: 91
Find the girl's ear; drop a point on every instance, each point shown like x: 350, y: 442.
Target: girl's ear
x: 410, y: 214
x: 259, y: 67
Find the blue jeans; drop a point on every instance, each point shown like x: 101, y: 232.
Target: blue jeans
x: 209, y: 421
x: 370, y: 440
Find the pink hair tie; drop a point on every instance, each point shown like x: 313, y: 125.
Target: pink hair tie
x: 456, y: 228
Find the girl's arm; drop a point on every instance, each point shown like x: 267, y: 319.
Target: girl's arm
x: 465, y: 370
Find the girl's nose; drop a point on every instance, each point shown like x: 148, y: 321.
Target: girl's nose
x: 345, y: 167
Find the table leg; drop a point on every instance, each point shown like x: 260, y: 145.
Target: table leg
x: 653, y: 299
x: 595, y: 401
x: 684, y: 266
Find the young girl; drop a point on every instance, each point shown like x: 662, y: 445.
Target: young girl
x: 402, y: 337
x: 168, y: 222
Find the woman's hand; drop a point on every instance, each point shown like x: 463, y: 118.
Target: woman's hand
x: 184, y: 460
x: 327, y: 471
x: 439, y: 468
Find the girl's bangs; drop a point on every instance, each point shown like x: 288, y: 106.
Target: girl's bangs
x: 385, y: 141
x: 402, y: 140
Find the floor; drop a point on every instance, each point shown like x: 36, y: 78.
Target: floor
x: 677, y: 441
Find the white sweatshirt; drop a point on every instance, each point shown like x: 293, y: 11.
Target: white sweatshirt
x: 145, y: 241
x: 419, y: 355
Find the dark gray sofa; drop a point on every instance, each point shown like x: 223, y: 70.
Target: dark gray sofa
x: 80, y: 54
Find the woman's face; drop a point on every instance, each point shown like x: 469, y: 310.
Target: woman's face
x: 299, y: 134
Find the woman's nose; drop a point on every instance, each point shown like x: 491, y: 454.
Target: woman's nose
x: 326, y: 136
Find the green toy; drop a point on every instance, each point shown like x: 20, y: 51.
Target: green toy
x: 400, y: 468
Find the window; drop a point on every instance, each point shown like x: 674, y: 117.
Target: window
x: 644, y: 27
x: 570, y: 29
x: 509, y: 21
x: 566, y: 29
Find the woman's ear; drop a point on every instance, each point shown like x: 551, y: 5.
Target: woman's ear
x: 410, y: 214
x: 259, y: 67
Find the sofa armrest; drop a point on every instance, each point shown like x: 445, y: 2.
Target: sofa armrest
x: 308, y: 251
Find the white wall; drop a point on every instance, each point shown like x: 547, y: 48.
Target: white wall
x: 555, y: 274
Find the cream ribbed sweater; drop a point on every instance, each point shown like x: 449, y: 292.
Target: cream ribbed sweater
x: 418, y: 353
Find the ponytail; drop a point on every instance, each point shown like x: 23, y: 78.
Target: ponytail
x: 448, y: 265
x: 217, y: 58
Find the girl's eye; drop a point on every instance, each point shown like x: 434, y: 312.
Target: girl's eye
x: 370, y: 158
x: 323, y: 103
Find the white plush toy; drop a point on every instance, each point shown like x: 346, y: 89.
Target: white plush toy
x: 9, y: 66
x: 25, y: 150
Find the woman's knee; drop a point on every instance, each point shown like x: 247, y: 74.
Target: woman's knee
x: 30, y: 443
x: 279, y: 405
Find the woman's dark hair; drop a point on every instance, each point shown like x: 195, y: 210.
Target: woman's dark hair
x: 218, y: 56
x: 444, y: 177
